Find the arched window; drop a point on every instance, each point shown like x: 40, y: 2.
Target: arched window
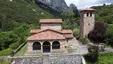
x: 56, y: 45
x: 46, y: 46
x: 36, y: 46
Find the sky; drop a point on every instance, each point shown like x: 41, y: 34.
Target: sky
x: 81, y: 4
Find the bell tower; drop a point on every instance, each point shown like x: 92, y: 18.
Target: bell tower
x: 87, y: 20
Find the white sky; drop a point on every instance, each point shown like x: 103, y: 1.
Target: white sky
x: 88, y: 3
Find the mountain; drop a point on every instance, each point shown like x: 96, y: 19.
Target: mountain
x: 56, y: 5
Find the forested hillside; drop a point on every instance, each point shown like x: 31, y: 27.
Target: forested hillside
x: 16, y: 12
x: 17, y: 17
x: 104, y: 13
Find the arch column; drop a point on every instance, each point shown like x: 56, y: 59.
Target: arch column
x: 51, y: 47
x: 41, y: 47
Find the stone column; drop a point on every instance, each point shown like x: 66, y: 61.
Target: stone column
x: 51, y: 47
x: 41, y: 47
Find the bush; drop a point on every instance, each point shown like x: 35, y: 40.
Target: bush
x: 14, y: 45
x: 6, y: 52
x: 76, y: 32
x: 109, y: 35
x: 85, y: 40
x: 5, y: 61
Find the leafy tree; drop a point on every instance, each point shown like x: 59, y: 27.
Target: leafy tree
x: 71, y: 21
x: 98, y: 33
x: 109, y: 35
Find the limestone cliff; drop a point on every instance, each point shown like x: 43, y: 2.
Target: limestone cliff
x: 57, y: 5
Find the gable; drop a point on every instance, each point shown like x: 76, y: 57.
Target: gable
x: 47, y: 35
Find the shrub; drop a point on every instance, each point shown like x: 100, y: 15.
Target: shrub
x: 109, y: 35
x: 97, y: 35
x: 6, y: 52
x: 14, y: 45
x: 92, y: 56
x: 76, y: 32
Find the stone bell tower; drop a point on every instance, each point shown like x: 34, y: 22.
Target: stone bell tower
x: 87, y: 20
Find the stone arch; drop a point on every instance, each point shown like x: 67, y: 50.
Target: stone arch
x: 36, y: 46
x: 46, y: 47
x: 56, y: 45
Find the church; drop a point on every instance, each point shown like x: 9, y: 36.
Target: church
x: 51, y: 38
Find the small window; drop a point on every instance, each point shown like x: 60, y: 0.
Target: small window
x: 90, y: 14
x: 87, y: 14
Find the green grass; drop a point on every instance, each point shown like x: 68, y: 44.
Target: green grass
x: 22, y: 51
x: 5, y: 61
x: 106, y: 58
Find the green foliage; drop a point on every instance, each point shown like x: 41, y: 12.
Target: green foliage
x: 105, y: 58
x: 5, y: 61
x: 71, y: 20
x: 14, y: 38
x: 76, y: 32
x: 6, y: 52
x: 85, y: 40
x: 92, y: 56
x: 97, y: 35
x: 17, y: 12
x: 104, y: 13
x: 109, y: 35
x: 16, y: 20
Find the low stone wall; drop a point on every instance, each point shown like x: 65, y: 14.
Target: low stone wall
x: 66, y: 59
x: 62, y: 59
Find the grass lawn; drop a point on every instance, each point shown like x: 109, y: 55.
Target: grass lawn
x: 5, y: 61
x: 106, y: 58
x: 22, y: 51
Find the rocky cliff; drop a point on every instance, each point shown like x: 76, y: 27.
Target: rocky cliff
x: 57, y: 5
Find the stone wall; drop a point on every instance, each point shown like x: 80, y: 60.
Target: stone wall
x: 63, y: 59
x: 63, y: 44
x: 51, y: 26
x: 86, y: 23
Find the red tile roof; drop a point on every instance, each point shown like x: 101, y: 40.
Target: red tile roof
x: 66, y: 31
x: 68, y: 35
x: 62, y: 31
x: 42, y: 30
x: 46, y: 35
x: 88, y: 9
x: 50, y: 21
x: 50, y: 34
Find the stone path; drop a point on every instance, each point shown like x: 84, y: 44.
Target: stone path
x: 46, y: 60
x: 82, y: 49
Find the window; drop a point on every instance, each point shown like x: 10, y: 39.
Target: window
x: 36, y: 46
x: 56, y: 45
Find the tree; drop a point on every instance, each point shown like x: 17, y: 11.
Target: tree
x: 93, y: 53
x: 71, y: 21
x: 109, y: 35
x: 98, y: 33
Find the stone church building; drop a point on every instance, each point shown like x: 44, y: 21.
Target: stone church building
x: 51, y: 38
